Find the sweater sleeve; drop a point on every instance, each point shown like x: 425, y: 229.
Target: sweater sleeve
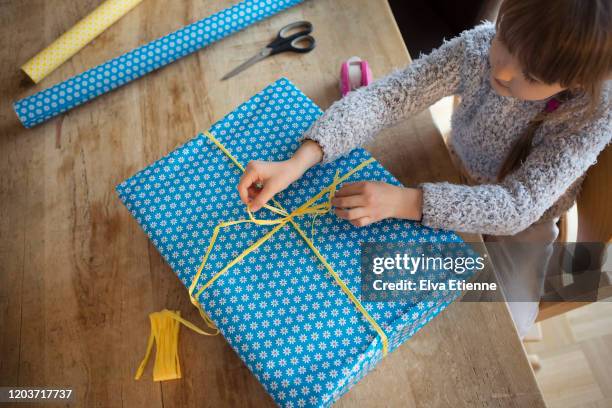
x: 354, y: 120
x: 525, y: 194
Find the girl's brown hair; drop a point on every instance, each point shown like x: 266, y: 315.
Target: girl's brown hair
x: 557, y: 41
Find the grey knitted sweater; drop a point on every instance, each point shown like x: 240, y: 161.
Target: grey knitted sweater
x: 484, y: 127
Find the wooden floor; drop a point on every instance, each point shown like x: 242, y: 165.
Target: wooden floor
x: 576, y: 358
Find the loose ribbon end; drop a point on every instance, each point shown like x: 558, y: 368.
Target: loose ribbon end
x: 165, y: 327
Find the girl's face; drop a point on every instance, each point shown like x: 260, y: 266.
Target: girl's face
x: 508, y: 78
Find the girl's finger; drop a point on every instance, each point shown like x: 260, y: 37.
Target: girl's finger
x: 253, y: 191
x: 266, y: 193
x: 361, y: 222
x: 351, y: 189
x: 247, y: 179
x: 349, y: 201
x: 351, y: 213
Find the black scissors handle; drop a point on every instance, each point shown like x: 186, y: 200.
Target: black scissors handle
x: 298, y: 42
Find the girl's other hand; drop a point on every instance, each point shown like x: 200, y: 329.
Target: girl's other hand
x: 366, y: 202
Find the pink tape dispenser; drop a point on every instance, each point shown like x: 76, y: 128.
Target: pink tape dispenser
x: 354, y: 73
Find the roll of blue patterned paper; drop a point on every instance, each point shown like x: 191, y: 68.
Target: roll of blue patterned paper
x: 112, y: 74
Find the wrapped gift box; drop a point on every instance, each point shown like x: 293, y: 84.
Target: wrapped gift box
x: 279, y: 307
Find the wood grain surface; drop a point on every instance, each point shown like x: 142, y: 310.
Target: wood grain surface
x: 78, y: 277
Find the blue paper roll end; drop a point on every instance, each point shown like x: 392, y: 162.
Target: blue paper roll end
x: 22, y: 119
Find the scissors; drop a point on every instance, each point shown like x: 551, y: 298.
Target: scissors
x: 300, y: 42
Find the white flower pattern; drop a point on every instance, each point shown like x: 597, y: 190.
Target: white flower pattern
x: 278, y: 308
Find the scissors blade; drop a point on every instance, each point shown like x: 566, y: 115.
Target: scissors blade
x: 263, y: 53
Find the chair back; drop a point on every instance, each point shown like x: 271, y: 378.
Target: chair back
x: 595, y: 201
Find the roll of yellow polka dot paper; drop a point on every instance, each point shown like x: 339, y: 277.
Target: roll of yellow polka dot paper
x: 46, y: 61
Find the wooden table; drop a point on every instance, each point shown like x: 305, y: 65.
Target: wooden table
x: 78, y: 276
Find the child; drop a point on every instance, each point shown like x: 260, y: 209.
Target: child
x: 535, y: 113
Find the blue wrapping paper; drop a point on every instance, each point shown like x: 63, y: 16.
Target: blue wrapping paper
x: 278, y: 308
x: 41, y: 106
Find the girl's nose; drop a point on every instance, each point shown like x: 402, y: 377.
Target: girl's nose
x: 503, y: 74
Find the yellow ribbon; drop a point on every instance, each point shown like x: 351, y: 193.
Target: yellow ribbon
x: 308, y: 208
x: 164, y: 333
x: 168, y: 322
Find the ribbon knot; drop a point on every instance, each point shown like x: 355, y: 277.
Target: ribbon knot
x: 308, y: 208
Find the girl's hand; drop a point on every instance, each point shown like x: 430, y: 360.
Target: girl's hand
x: 262, y: 180
x: 365, y: 202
